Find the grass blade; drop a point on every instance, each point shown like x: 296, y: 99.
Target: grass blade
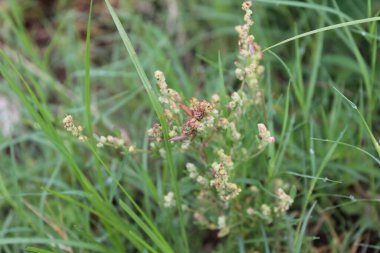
x: 87, y: 79
x: 37, y: 250
x: 298, y: 245
x: 324, y: 29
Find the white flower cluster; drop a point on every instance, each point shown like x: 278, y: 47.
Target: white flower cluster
x: 284, y: 201
x: 168, y: 96
x: 248, y: 68
x: 169, y: 200
x: 222, y: 226
x: 225, y: 159
x: 224, y: 123
x: 265, y: 135
x: 193, y: 173
x: 68, y: 123
x: 109, y: 140
x: 226, y: 190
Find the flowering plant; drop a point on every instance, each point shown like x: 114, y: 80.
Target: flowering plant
x: 215, y: 133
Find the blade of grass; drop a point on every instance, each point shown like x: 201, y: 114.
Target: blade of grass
x: 351, y: 146
x: 222, y: 88
x: 317, y: 54
x: 37, y: 250
x: 298, y: 4
x: 353, y: 46
x: 353, y: 106
x: 324, y: 29
x: 87, y: 79
x: 35, y: 240
x: 298, y: 244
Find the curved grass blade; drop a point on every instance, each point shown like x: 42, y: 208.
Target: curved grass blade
x: 87, y: 79
x: 298, y: 245
x: 37, y: 250
x: 324, y: 29
x: 78, y: 244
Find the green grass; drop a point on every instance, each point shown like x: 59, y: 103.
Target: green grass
x: 321, y: 87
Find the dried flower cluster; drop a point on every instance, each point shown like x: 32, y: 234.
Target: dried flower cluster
x: 114, y: 142
x: 225, y: 189
x: 169, y: 200
x: 264, y: 135
x: 248, y: 68
x: 169, y: 97
x: 68, y: 123
x: 283, y: 202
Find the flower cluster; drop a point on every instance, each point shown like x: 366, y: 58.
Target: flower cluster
x: 68, y: 124
x: 222, y: 226
x: 110, y: 140
x: 168, y: 96
x: 284, y: 201
x: 248, y: 68
x: 238, y: 100
x: 226, y: 160
x: 226, y: 190
x: 265, y: 135
x: 169, y: 200
x: 200, y: 115
x: 114, y: 142
x: 267, y: 211
x: 155, y: 133
x: 194, y: 174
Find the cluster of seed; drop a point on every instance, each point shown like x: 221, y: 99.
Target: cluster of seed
x: 68, y: 124
x: 155, y: 133
x: 236, y: 102
x: 114, y: 142
x: 225, y: 189
x: 222, y: 226
x: 201, y: 115
x: 226, y: 160
x: 248, y: 68
x: 267, y: 212
x: 110, y: 140
x: 169, y: 97
x: 283, y: 203
x: 169, y: 200
x: 224, y: 123
x: 265, y: 135
x: 194, y: 174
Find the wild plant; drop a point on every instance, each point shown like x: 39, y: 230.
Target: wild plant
x: 215, y: 139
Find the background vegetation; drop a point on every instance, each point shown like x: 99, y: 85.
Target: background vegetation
x: 61, y: 195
